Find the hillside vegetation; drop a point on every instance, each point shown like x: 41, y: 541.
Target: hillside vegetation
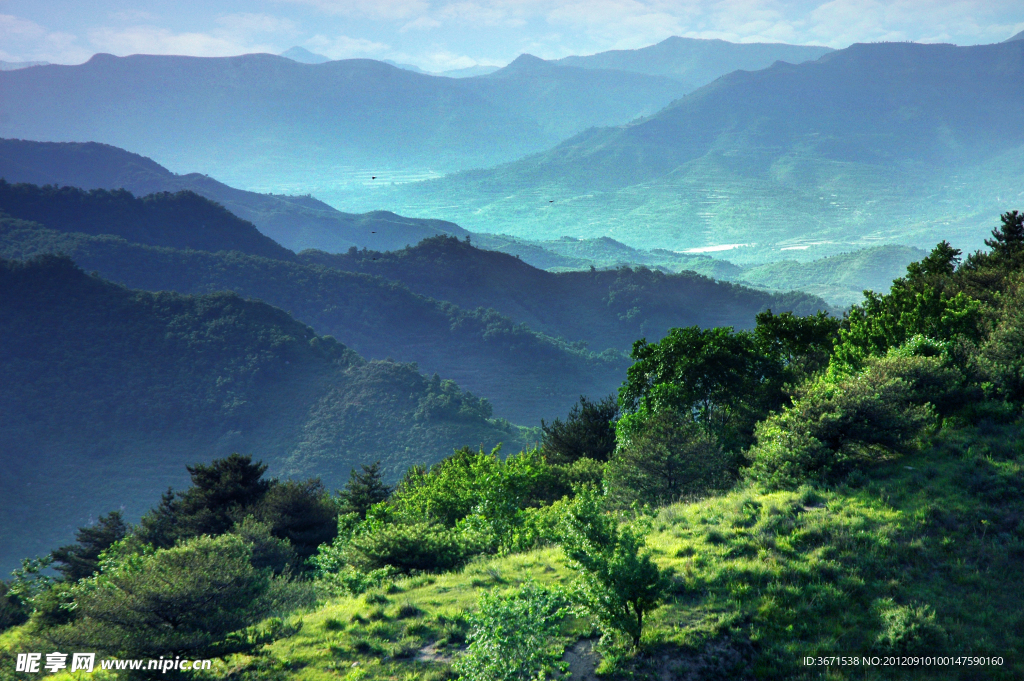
x: 608, y: 308
x: 841, y: 490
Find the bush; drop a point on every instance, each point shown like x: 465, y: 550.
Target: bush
x: 182, y: 600
x: 511, y: 636
x: 669, y: 457
x: 407, y: 547
x: 619, y: 583
x: 841, y: 423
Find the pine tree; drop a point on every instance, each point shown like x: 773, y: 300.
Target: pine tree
x: 76, y: 561
x: 363, y: 490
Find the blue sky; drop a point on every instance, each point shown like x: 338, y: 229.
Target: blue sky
x: 442, y: 35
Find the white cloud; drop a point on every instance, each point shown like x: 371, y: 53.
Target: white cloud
x: 420, y: 24
x: 375, y: 9
x: 23, y: 40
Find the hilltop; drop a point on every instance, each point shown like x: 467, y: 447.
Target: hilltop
x: 697, y: 62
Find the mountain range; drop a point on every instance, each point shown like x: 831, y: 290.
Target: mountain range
x: 261, y: 119
x: 887, y: 142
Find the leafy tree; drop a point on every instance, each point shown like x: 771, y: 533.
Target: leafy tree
x: 618, y: 582
x: 511, y: 634
x: 668, y: 457
x: 804, y: 344
x: 184, y: 600
x: 363, y: 490
x: 928, y: 301
x: 76, y: 561
x: 723, y: 380
x: 13, y: 610
x: 587, y: 432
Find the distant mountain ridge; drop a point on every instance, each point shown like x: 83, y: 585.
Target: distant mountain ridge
x: 851, y: 148
x: 258, y: 116
x: 696, y: 62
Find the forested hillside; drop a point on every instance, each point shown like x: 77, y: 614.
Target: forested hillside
x: 107, y: 393
x: 526, y: 375
x: 608, y: 308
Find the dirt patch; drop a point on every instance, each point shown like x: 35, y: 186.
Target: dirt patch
x: 431, y: 653
x: 583, y: 660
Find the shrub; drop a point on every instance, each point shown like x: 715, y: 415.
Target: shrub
x: 511, y: 634
x: 841, y: 423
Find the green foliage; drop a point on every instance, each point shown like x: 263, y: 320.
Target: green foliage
x: 232, y: 493
x: 723, y: 379
x: 587, y: 432
x: 184, y: 600
x: 512, y: 636
x: 667, y: 458
x: 407, y: 547
x: 437, y: 518
x: 927, y: 302
x: 363, y: 490
x: 445, y: 401
x: 13, y: 610
x: 76, y: 561
x: 618, y: 582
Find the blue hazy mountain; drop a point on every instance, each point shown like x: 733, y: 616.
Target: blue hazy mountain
x: 296, y: 222
x: 469, y: 71
x: 1017, y: 36
x: 695, y: 61
x: 304, y: 56
x: 889, y: 142
x: 258, y: 119
x: 15, y: 65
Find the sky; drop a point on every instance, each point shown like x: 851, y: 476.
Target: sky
x: 440, y: 35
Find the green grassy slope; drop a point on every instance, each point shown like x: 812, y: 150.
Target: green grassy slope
x: 527, y: 375
x: 919, y: 557
x: 107, y: 393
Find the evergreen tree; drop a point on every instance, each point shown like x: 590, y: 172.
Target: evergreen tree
x: 363, y: 490
x: 76, y: 561
x: 588, y: 431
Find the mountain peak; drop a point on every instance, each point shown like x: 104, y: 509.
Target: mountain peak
x: 1019, y: 36
x: 304, y: 56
